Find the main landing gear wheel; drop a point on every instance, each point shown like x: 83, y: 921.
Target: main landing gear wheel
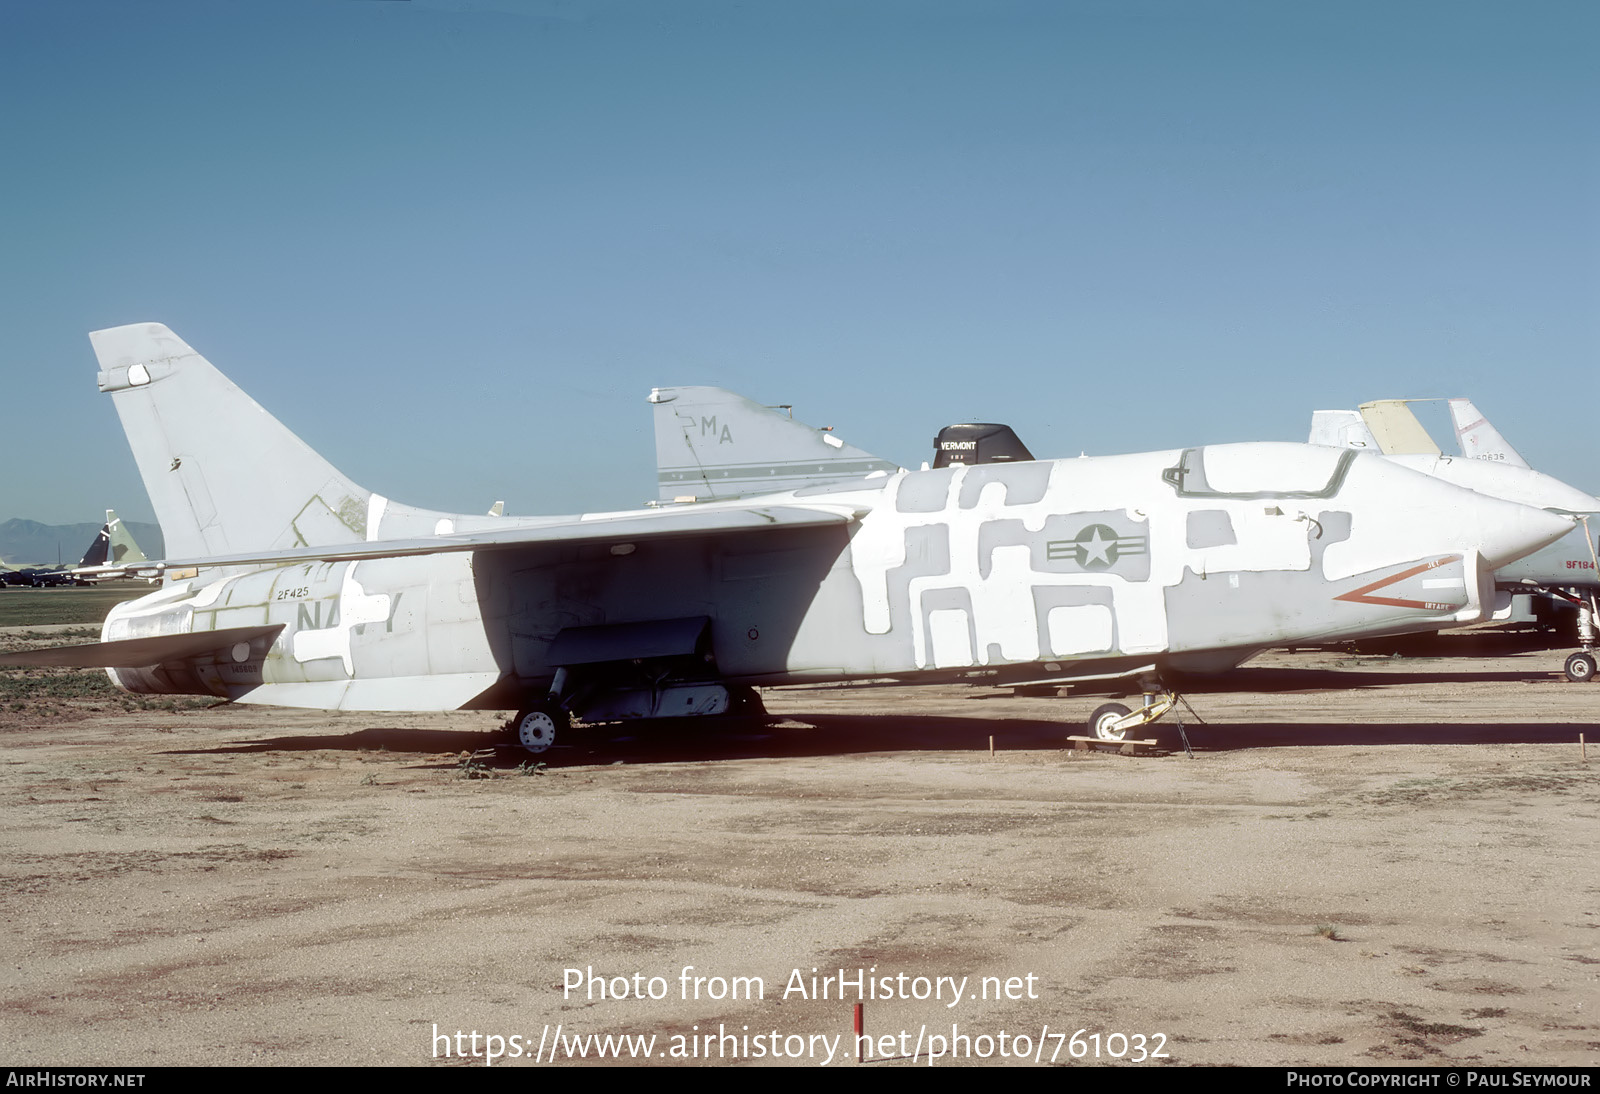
x: 1103, y: 722
x: 536, y: 727
x: 1581, y: 667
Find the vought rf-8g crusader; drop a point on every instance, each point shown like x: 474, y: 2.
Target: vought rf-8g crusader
x: 288, y: 584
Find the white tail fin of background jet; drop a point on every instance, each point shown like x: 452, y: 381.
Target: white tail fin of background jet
x: 713, y: 444
x: 1478, y: 439
x: 222, y: 473
x: 1341, y: 429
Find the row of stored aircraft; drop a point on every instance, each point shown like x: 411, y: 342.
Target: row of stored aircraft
x: 113, y: 545
x: 776, y: 554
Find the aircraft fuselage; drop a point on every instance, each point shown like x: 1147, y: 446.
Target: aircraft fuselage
x: 1182, y: 559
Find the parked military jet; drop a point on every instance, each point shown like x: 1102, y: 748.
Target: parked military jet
x: 289, y: 584
x: 1563, y: 571
x: 38, y: 577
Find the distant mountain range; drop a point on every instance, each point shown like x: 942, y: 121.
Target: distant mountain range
x: 29, y: 543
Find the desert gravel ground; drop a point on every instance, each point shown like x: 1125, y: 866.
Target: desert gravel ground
x: 1365, y: 861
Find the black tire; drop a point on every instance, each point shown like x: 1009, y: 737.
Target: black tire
x: 537, y: 727
x: 1100, y: 722
x: 1581, y: 667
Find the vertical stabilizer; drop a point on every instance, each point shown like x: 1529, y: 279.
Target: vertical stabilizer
x: 1478, y: 439
x: 1397, y: 430
x: 114, y: 546
x: 223, y: 474
x: 711, y: 443
x: 123, y: 550
x: 978, y: 442
x: 1341, y: 429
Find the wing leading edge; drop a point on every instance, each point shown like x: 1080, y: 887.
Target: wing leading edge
x: 590, y: 528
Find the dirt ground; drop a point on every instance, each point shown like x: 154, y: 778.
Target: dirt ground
x: 1365, y: 861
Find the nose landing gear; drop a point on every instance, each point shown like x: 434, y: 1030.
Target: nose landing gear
x: 1114, y: 721
x: 536, y: 727
x: 1580, y: 667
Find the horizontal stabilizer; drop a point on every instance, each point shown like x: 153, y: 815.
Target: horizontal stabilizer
x: 138, y: 653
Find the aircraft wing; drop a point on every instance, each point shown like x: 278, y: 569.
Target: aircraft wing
x: 620, y: 528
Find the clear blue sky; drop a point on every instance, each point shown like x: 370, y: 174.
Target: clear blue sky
x: 454, y: 244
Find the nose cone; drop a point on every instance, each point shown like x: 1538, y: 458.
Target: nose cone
x: 1414, y: 514
x: 1507, y: 531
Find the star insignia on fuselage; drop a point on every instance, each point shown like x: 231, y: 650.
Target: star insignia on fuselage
x: 1096, y: 547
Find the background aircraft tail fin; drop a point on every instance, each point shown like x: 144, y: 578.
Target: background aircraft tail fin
x: 1397, y: 430
x: 1478, y: 439
x: 99, y: 547
x: 978, y: 442
x: 711, y: 443
x: 113, y: 546
x: 1341, y: 429
x: 123, y: 550
x: 222, y: 473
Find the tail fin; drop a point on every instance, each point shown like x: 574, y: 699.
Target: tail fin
x: 1478, y: 439
x: 99, y: 547
x: 114, y: 546
x: 124, y: 551
x: 222, y: 473
x: 1397, y: 429
x: 978, y: 442
x: 1341, y: 429
x: 711, y: 443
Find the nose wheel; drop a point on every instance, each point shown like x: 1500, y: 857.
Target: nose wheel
x: 1105, y: 723
x: 537, y: 726
x: 1581, y: 667
x: 1113, y: 721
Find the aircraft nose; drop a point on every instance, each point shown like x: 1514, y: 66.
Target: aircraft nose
x: 1507, y: 531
